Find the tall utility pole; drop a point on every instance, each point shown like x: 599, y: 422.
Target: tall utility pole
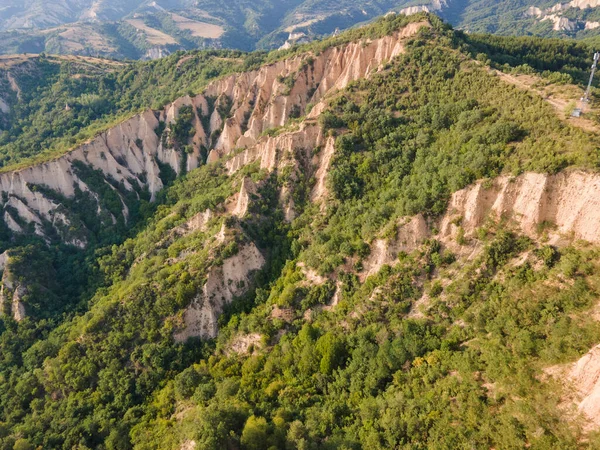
x: 586, y: 96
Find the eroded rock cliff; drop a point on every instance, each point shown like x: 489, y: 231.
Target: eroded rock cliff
x: 562, y: 208
x: 223, y: 284
x: 232, y: 113
x: 565, y: 205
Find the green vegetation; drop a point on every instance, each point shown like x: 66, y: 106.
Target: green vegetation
x: 464, y: 376
x: 436, y: 351
x: 63, y: 103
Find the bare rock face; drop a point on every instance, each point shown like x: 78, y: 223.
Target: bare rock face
x: 188, y: 445
x: 409, y: 235
x: 223, y: 284
x: 244, y: 196
x: 556, y: 15
x: 568, y: 204
x: 4, y: 300
x: 198, y: 222
x: 581, y: 381
x: 127, y: 154
x: 242, y: 344
x: 565, y: 206
x: 585, y: 374
x: 11, y: 292
x: 323, y: 163
x: 17, y: 306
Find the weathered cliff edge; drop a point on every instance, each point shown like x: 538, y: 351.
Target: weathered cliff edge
x: 232, y: 113
x: 565, y: 207
x: 223, y: 284
x: 583, y: 380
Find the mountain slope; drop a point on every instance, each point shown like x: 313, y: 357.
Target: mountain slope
x: 384, y: 250
x: 143, y: 29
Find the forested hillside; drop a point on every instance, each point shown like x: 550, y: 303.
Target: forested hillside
x: 53, y: 103
x: 387, y: 239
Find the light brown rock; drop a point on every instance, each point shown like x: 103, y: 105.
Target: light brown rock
x: 223, y: 284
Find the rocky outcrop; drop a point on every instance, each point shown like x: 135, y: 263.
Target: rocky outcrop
x: 534, y: 11
x: 323, y: 163
x: 155, y: 53
x: 409, y: 234
x: 232, y: 113
x: 566, y: 205
x: 267, y: 98
x: 560, y: 22
x: 247, y: 189
x: 197, y: 222
x: 272, y: 151
x: 11, y: 293
x: 188, y: 445
x: 128, y: 154
x: 591, y: 25
x: 583, y: 4
x: 434, y: 5
x: 415, y: 9
x: 223, y: 284
x: 17, y: 306
x: 581, y: 383
x: 242, y: 344
x: 585, y: 375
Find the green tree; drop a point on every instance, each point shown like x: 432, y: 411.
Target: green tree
x: 255, y: 433
x: 333, y: 352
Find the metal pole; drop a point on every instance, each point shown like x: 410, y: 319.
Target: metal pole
x: 586, y: 96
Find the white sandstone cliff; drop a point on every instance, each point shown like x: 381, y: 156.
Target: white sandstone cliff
x: 130, y: 152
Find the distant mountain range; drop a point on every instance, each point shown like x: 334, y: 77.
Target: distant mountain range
x: 143, y: 29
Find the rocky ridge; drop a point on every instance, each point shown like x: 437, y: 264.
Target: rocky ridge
x: 231, y: 116
x: 232, y: 113
x: 554, y: 14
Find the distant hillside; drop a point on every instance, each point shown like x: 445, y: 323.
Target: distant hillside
x: 138, y: 29
x: 142, y: 29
